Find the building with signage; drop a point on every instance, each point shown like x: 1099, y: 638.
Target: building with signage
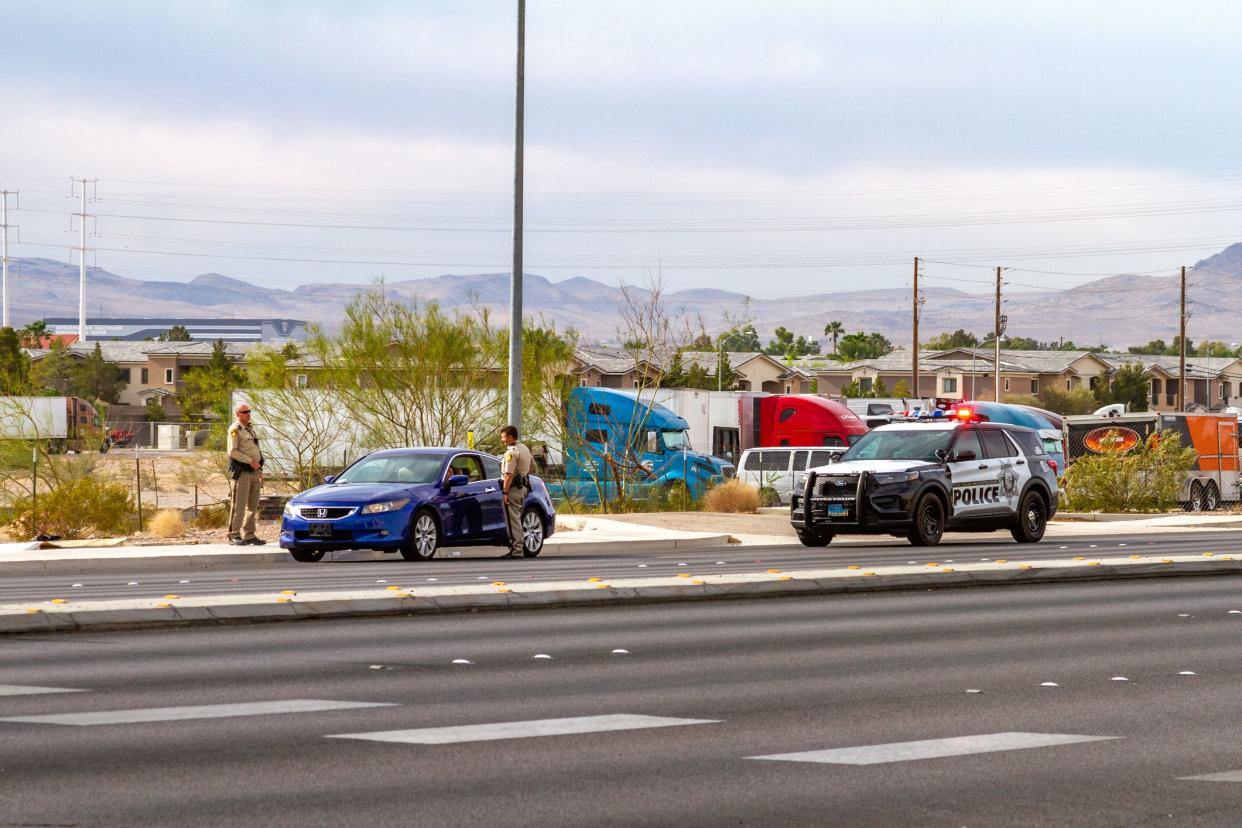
x: 137, y: 329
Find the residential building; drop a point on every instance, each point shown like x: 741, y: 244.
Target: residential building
x: 599, y: 366
x: 137, y: 329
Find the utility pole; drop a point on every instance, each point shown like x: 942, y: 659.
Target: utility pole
x: 999, y: 322
x: 515, y: 278
x: 4, y: 255
x: 915, y: 364
x: 82, y: 217
x: 1181, y: 368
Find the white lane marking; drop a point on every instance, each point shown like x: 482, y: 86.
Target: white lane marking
x: 933, y: 748
x: 26, y: 690
x: 1224, y: 776
x: 521, y: 730
x: 200, y: 711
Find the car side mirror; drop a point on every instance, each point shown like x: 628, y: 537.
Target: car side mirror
x: 456, y: 480
x: 328, y: 478
x: 941, y: 455
x: 962, y: 456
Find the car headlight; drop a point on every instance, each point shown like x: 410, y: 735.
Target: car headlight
x: 290, y: 509
x: 386, y: 506
x: 896, y: 477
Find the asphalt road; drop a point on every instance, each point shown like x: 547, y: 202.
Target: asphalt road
x: 263, y: 578
x: 738, y: 679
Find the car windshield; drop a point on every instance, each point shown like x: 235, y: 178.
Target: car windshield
x: 399, y: 468
x: 676, y: 440
x: 909, y: 444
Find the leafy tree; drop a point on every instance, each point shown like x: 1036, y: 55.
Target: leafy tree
x: 32, y: 335
x: 53, y: 373
x: 948, y: 341
x: 901, y: 389
x: 879, y: 389
x: 208, y: 389
x: 782, y: 342
x: 154, y: 411
x: 94, y: 378
x: 834, y: 329
x: 1077, y: 401
x: 861, y: 345
x: 1129, y: 385
x: 702, y: 342
x: 14, y: 364
x: 742, y: 339
x: 290, y: 351
x: 177, y: 333
x: 805, y: 347
x: 1154, y: 347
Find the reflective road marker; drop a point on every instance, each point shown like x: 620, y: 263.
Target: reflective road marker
x: 521, y: 730
x: 201, y: 711
x: 23, y: 690
x: 933, y: 748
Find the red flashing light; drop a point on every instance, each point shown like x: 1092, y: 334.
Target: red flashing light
x: 963, y: 414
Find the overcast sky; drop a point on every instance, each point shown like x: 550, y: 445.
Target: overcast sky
x: 766, y: 147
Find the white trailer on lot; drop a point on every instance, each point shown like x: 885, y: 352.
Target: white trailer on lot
x: 34, y: 418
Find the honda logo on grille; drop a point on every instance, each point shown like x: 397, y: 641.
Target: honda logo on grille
x: 323, y: 513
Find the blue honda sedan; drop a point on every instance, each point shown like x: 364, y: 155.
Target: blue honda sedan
x: 412, y: 501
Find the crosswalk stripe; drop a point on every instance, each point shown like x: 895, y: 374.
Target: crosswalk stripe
x: 521, y: 730
x: 1224, y: 776
x: 933, y: 748
x: 28, y: 690
x: 201, y: 711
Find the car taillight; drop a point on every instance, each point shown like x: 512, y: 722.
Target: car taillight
x: 1053, y: 463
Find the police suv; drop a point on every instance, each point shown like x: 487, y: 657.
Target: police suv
x: 920, y: 479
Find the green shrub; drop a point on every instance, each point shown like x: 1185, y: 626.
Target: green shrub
x: 75, y: 509
x: 212, y: 517
x: 1146, y: 479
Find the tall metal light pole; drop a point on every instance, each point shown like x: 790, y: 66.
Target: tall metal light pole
x: 515, y: 277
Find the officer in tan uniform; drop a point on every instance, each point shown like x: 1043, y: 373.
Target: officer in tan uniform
x: 515, y: 466
x: 245, y: 462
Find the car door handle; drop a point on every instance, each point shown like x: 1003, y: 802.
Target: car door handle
x: 983, y: 466
x: 1020, y: 463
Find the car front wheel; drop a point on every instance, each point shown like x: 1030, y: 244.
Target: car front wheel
x: 928, y: 526
x: 303, y: 555
x: 424, y: 538
x: 815, y: 537
x: 532, y: 533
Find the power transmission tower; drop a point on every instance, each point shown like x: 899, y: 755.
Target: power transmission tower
x: 4, y: 254
x: 1181, y: 367
x: 1001, y: 321
x: 515, y: 278
x: 84, y: 183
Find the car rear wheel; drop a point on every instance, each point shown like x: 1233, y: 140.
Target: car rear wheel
x: 303, y: 555
x: 424, y: 538
x: 1032, y: 519
x: 928, y: 526
x: 816, y: 537
x: 532, y: 533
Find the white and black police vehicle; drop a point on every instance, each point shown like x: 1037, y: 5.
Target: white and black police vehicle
x: 921, y: 479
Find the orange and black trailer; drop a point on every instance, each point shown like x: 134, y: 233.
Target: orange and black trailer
x: 1213, y: 479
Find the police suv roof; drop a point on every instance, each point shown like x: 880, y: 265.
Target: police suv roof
x: 947, y: 424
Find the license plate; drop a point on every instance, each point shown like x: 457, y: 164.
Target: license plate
x: 838, y: 510
x: 320, y: 530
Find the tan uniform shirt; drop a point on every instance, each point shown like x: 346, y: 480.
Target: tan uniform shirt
x: 243, y: 444
x: 517, y: 460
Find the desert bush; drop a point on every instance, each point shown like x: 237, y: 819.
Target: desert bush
x: 1146, y: 479
x: 75, y: 509
x: 212, y: 517
x: 734, y: 496
x: 167, y: 523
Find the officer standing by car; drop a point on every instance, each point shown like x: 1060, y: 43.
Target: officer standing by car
x: 245, y: 464
x: 515, y: 466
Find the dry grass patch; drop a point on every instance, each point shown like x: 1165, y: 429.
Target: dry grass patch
x: 167, y: 523
x: 734, y: 496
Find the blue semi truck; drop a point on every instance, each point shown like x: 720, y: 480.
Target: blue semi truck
x: 620, y: 446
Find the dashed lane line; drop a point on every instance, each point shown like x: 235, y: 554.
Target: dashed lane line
x: 27, y: 690
x: 201, y: 711
x: 521, y: 730
x: 933, y: 748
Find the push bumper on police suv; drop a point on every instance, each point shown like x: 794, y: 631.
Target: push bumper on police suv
x: 860, y: 502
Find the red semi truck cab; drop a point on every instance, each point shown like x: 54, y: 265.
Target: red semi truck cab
x: 801, y: 420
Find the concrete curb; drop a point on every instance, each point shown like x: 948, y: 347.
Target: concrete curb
x: 103, y: 560
x: 235, y: 609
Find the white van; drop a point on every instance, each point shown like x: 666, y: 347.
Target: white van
x: 775, y: 471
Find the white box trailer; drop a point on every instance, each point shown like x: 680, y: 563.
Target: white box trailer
x: 68, y: 423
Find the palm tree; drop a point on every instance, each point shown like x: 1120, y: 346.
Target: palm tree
x: 834, y: 329
x: 33, y: 334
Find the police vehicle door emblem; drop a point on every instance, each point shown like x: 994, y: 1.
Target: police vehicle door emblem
x: 1008, y: 482
x: 323, y: 513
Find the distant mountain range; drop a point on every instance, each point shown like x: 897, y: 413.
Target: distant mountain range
x: 1118, y: 310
